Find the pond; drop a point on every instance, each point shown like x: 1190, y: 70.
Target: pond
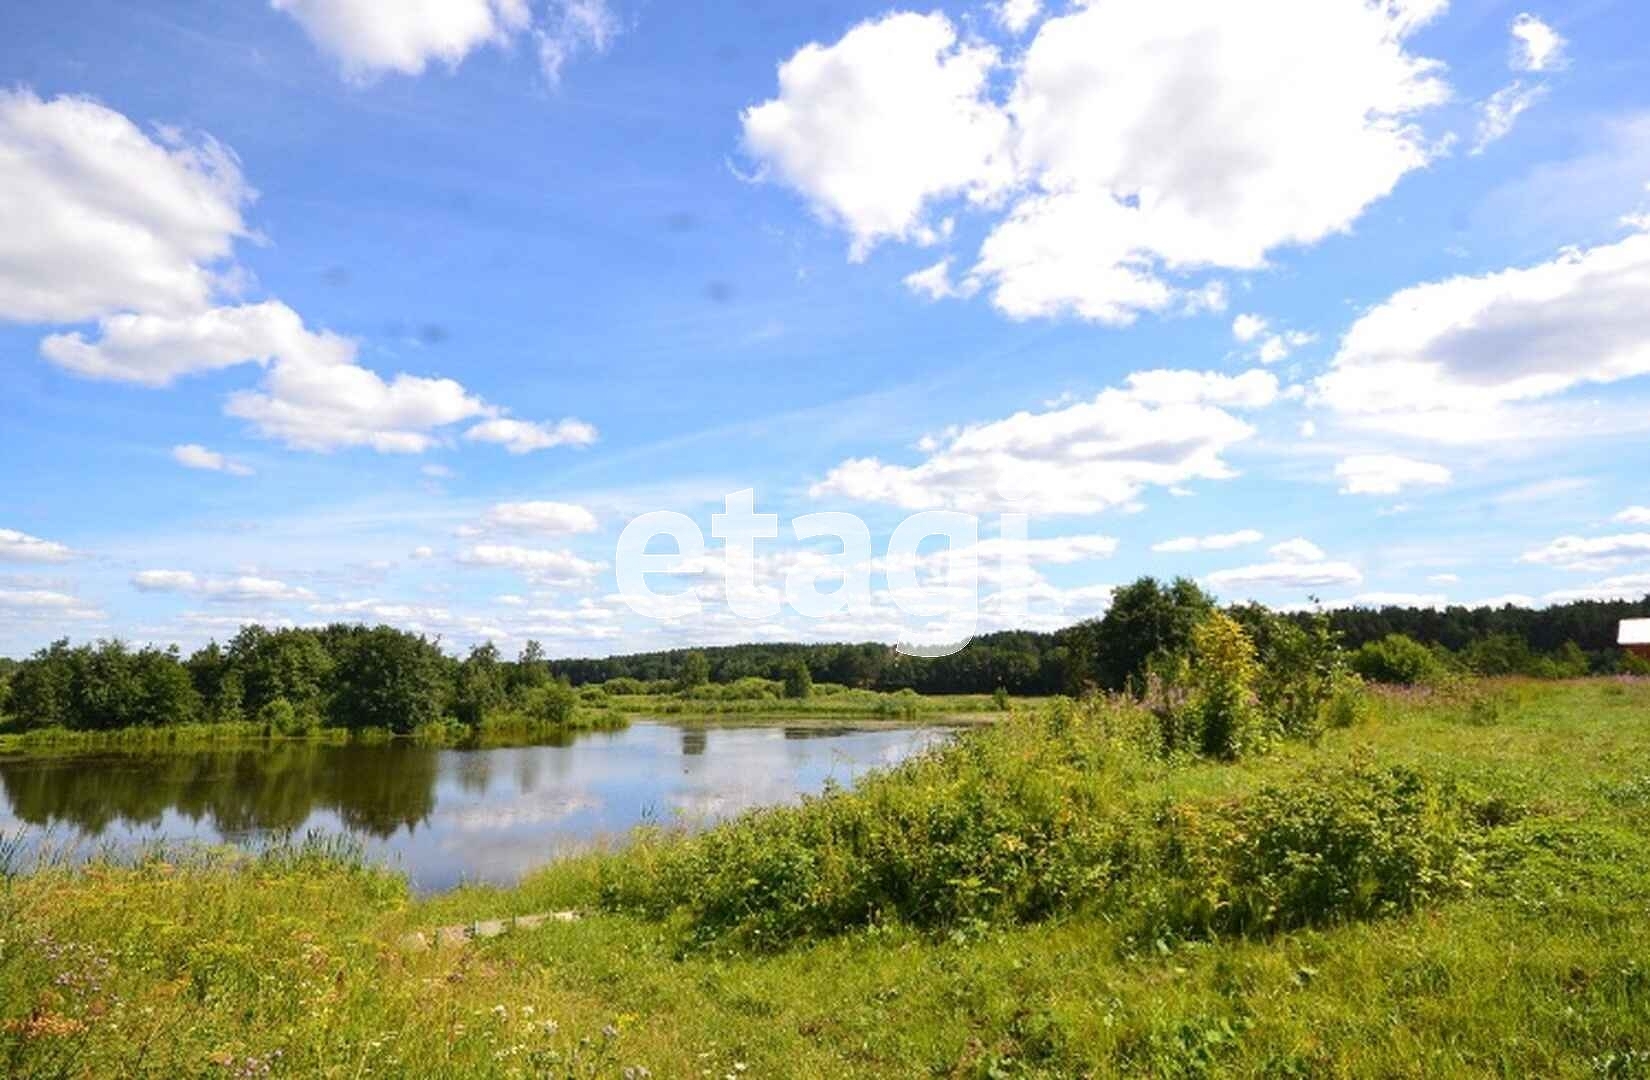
x: 442, y: 816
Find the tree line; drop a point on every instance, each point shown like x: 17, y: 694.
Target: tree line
x: 1149, y: 616
x: 356, y: 677
x: 287, y: 681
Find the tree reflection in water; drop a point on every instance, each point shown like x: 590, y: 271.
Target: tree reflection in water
x: 374, y: 790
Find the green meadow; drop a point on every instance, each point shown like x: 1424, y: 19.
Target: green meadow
x: 1442, y: 882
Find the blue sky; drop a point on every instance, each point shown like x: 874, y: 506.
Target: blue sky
x: 344, y: 310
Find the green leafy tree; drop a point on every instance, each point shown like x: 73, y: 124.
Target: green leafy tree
x: 217, y: 682
x: 388, y: 678
x: 695, y: 672
x: 40, y: 687
x: 480, y: 686
x: 530, y: 671
x: 1147, y: 619
x: 290, y: 664
x: 163, y: 692
x: 799, y: 682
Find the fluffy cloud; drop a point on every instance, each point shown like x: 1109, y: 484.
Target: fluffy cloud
x: 1536, y: 46
x: 1442, y: 360
x: 1625, y: 587
x: 934, y: 282
x: 873, y: 128
x: 196, y: 456
x: 369, y: 38
x: 313, y: 396
x: 1217, y: 542
x: 1248, y: 327
x: 43, y: 603
x: 1165, y: 428
x: 246, y: 588
x: 1298, y: 564
x: 21, y: 547
x: 1591, y: 553
x: 1298, y: 550
x: 1633, y: 515
x: 107, y: 223
x: 154, y: 350
x: 1016, y: 15
x: 1386, y: 474
x: 325, y: 407
x: 1135, y: 144
x: 524, y: 437
x: 540, y: 566
x: 540, y: 517
x: 101, y: 217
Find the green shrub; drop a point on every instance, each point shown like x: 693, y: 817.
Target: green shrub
x: 1347, y: 704
x: 799, y: 682
x: 552, y: 705
x: 1396, y: 658
x: 1499, y: 654
x: 624, y: 685
x: 1039, y: 815
x: 1223, y: 706
x: 1356, y: 843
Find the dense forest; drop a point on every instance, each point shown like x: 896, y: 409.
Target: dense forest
x: 1145, y: 617
x: 293, y: 681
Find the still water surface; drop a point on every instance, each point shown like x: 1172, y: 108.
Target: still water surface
x: 443, y: 816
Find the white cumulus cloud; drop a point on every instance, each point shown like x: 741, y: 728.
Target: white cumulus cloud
x: 369, y: 37
x: 538, y: 565
x: 1133, y: 146
x: 524, y: 437
x: 1387, y: 474
x: 1217, y: 542
x: 1536, y: 46
x: 196, y: 456
x: 877, y: 125
x: 1163, y: 429
x: 18, y: 546
x: 1591, y: 553
x: 553, y: 518
x: 100, y: 216
x: 33, y: 604
x: 242, y: 589
x: 1442, y: 360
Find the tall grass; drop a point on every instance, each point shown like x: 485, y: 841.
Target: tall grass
x: 1421, y: 894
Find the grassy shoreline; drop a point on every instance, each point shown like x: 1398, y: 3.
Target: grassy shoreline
x: 1524, y: 955
x: 508, y: 730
